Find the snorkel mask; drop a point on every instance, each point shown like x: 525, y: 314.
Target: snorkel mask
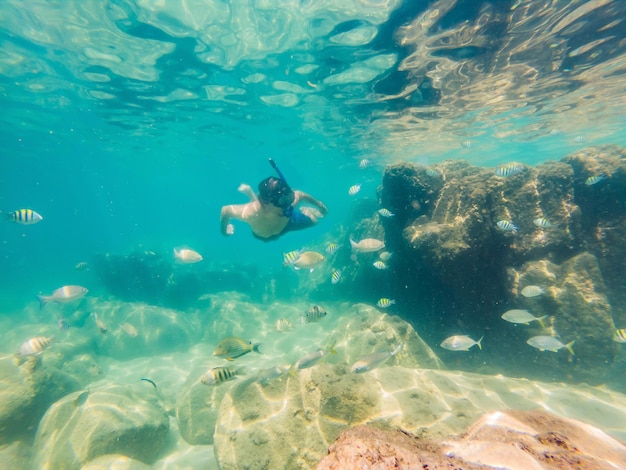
x: 284, y: 197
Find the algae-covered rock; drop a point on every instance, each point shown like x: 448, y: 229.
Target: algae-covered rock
x: 577, y: 309
x: 291, y: 423
x: 108, y: 420
x: 26, y: 391
x: 15, y: 455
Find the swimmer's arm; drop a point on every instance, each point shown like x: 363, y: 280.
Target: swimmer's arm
x: 304, y: 197
x: 247, y: 190
x: 229, y: 212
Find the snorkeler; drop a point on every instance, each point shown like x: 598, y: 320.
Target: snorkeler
x: 273, y: 212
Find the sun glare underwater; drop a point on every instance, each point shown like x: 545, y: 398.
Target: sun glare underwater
x: 232, y: 232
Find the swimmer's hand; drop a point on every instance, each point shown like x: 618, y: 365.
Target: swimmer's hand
x: 247, y: 190
x: 230, y: 229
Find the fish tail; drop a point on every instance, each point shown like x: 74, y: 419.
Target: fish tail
x: 257, y: 348
x: 43, y: 300
x: 478, y: 343
x: 569, y: 347
x: 352, y: 243
x: 541, y: 321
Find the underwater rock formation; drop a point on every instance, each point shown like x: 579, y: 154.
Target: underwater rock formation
x: 26, y: 391
x: 458, y: 229
x: 109, y: 420
x: 516, y: 440
x: 117, y: 462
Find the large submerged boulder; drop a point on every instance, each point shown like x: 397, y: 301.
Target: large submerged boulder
x: 109, y: 420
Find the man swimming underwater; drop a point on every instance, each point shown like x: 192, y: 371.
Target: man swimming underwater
x: 273, y: 212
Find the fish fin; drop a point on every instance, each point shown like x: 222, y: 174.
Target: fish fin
x: 478, y: 343
x: 230, y: 359
x: 257, y: 348
x: 352, y: 243
x: 569, y: 347
x: 541, y: 319
x: 43, y: 300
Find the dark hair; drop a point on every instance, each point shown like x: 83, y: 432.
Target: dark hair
x: 276, y: 191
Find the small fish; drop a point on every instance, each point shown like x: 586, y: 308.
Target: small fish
x: 101, y: 326
x: 290, y: 257
x: 466, y: 144
x: 24, y: 217
x: 380, y: 264
x: 332, y: 248
x: 217, y: 375
x: 384, y: 303
x: 315, y: 314
x: 433, y: 173
x: 507, y: 226
x: 82, y: 266
x: 522, y: 316
x: 364, y: 163
x: 311, y: 359
x: 187, y: 256
x: 542, y: 222
x: 367, y: 245
x: 63, y: 324
x: 595, y: 179
x: 619, y: 336
x: 149, y: 381
x: 265, y: 375
x: 233, y: 347
x: 510, y: 169
x: 386, y: 212
x: 579, y: 139
x: 374, y: 360
x: 34, y: 346
x: 62, y: 295
x: 385, y: 256
x: 354, y: 189
x: 308, y: 259
x: 282, y: 324
x: 460, y: 343
x: 336, y: 276
x: 129, y: 329
x: 533, y: 291
x: 549, y: 343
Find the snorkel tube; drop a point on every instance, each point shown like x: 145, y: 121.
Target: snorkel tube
x: 278, y: 172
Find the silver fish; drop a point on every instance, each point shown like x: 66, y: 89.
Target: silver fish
x: 283, y: 324
x: 367, y: 245
x: 24, y: 217
x: 386, y: 212
x: 466, y: 144
x: 315, y: 314
x: 233, y: 347
x: 62, y: 295
x: 34, y: 346
x: 379, y: 264
x: 433, y: 173
x: 187, y: 256
x: 460, y: 343
x: 374, y: 360
x: 310, y: 359
x: 506, y: 226
x: 217, y: 375
x: 542, y: 222
x: 549, y: 343
x: 533, y: 291
x: 510, y: 169
x: 522, y: 316
x: 265, y: 375
x: 364, y: 163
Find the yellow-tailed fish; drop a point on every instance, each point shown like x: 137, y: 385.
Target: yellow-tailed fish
x: 283, y: 324
x: 24, y: 217
x: 384, y: 303
x: 460, y: 343
x: 233, y: 347
x: 354, y: 189
x: 522, y: 316
x: 533, y: 291
x: 374, y: 360
x: 187, y: 256
x: 62, y: 295
x: 218, y: 375
x: 619, y: 336
x: 34, y: 346
x: 315, y: 314
x: 336, y: 276
x: 367, y: 245
x: 549, y: 343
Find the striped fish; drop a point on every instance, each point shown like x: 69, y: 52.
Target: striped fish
x: 433, y: 173
x: 217, y: 375
x: 24, y: 216
x: 619, y: 336
x: 542, y: 222
x: 290, y: 257
x: 385, y: 212
x: 315, y: 314
x: 466, y: 144
x: 364, y: 163
x: 506, y: 226
x: 595, y: 179
x: 355, y: 188
x: 332, y: 248
x: 283, y: 324
x: 509, y: 169
x: 34, y: 346
x: 336, y: 276
x: 384, y: 303
x: 380, y: 265
x: 533, y: 291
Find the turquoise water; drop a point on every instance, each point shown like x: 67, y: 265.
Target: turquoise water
x: 128, y: 124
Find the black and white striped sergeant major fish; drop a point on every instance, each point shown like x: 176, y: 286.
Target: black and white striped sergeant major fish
x: 34, y: 346
x: 218, y: 375
x: 510, y: 169
x: 506, y: 226
x: 24, y: 216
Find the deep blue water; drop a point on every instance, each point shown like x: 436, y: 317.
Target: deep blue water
x: 127, y: 125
